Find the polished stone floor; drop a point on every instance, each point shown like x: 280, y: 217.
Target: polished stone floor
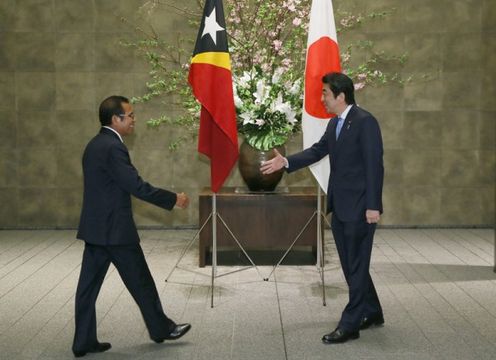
x: 437, y: 288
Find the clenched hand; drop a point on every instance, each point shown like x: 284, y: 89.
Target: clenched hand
x: 373, y: 216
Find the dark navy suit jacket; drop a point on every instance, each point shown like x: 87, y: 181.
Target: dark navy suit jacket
x: 109, y: 181
x: 357, y: 169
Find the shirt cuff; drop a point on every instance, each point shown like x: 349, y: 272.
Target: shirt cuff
x: 286, y: 163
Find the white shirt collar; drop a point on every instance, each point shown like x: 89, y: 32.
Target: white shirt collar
x: 119, y: 135
x: 345, y: 112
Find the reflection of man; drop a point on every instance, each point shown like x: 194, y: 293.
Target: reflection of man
x: 109, y: 231
x: 354, y: 196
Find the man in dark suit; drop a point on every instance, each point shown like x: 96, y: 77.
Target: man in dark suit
x: 109, y: 231
x: 354, y: 196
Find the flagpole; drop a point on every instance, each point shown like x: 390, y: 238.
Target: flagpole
x: 319, y: 229
x: 214, y: 245
x: 320, y: 243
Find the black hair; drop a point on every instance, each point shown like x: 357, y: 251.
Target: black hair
x: 109, y: 107
x: 340, y: 83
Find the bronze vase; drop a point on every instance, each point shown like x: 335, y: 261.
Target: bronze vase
x: 250, y: 160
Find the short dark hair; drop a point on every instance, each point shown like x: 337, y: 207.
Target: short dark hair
x: 340, y: 83
x: 109, y: 107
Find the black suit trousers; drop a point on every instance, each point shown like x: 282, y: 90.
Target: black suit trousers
x: 354, y: 244
x: 130, y: 262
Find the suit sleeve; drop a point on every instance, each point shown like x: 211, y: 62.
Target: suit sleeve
x: 372, y: 152
x: 311, y: 155
x: 127, y: 177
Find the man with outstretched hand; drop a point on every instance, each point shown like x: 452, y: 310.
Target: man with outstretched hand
x: 109, y: 232
x: 354, y: 196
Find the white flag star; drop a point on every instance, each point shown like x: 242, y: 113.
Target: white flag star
x: 211, y: 26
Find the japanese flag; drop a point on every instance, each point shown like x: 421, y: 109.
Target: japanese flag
x: 322, y: 58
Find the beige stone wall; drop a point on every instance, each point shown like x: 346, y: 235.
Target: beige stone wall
x: 58, y: 59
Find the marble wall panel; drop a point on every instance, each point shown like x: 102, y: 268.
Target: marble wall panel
x: 38, y: 207
x: 35, y: 51
x: 423, y: 130
x: 70, y: 200
x: 75, y: 52
x: 8, y: 168
x: 75, y: 91
x: 37, y: 168
x: 422, y: 205
x: 7, y: 53
x: 75, y: 16
x: 60, y: 58
x: 34, y: 15
x: 8, y: 119
x: 9, y: 208
x: 35, y: 90
x: 7, y: 91
x: 422, y: 167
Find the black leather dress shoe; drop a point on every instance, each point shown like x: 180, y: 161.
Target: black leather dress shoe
x: 340, y: 336
x: 175, y: 334
x: 100, y: 347
x: 375, y: 320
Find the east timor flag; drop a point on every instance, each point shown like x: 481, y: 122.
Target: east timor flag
x: 211, y: 81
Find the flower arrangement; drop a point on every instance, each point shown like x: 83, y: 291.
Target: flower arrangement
x: 267, y: 48
x: 268, y: 109
x: 268, y: 60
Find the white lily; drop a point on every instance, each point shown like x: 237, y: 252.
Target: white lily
x: 285, y: 108
x: 290, y: 114
x: 261, y: 93
x: 247, y: 117
x: 237, y: 101
x: 277, y: 75
x: 277, y: 104
x: 244, y: 80
x: 295, y: 89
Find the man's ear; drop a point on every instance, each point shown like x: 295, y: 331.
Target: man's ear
x: 341, y: 96
x: 116, y: 119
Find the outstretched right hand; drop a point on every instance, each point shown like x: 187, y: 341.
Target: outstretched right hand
x: 274, y: 164
x: 182, y: 200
